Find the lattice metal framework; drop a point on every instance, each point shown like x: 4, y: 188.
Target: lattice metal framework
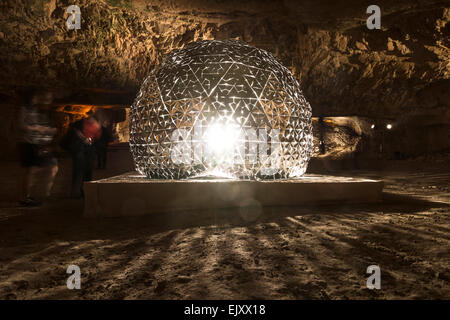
x: 220, y: 108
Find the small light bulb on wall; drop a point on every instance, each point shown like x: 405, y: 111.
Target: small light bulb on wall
x: 389, y: 126
x: 372, y: 126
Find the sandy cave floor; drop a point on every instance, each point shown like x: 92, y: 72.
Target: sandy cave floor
x: 286, y: 253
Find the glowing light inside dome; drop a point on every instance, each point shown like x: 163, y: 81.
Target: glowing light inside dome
x: 221, y: 141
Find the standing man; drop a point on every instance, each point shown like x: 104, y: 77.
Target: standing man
x: 34, y: 147
x: 101, y: 144
x: 83, y: 135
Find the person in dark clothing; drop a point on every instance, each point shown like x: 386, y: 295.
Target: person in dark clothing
x: 83, y: 135
x: 101, y: 145
x: 322, y: 147
x: 35, y: 144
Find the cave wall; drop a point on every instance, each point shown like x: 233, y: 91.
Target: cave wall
x: 344, y: 68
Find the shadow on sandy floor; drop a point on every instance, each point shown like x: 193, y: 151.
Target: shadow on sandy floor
x: 311, y: 252
x: 63, y: 219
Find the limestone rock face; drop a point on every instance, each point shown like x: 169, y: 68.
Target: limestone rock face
x: 343, y: 67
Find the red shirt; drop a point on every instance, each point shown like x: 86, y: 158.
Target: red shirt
x: 91, y: 129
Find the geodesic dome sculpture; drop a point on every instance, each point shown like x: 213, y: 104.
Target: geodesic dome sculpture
x: 220, y: 108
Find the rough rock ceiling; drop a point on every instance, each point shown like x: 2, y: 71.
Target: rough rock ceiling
x: 340, y: 14
x: 344, y: 68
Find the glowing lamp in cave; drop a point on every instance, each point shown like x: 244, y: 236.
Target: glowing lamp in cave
x: 220, y: 108
x: 221, y: 139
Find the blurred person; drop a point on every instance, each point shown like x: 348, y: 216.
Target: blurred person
x: 101, y: 145
x: 83, y: 134
x: 37, y: 134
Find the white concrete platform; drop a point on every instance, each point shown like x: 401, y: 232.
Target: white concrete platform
x: 131, y: 194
